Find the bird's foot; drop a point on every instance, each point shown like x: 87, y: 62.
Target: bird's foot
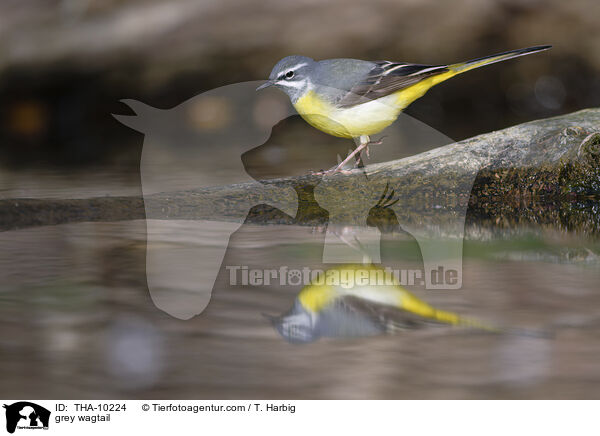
x: 356, y: 154
x: 352, y: 154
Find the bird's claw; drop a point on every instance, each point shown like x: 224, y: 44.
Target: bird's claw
x: 356, y: 152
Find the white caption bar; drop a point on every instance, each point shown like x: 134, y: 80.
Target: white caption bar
x: 262, y: 417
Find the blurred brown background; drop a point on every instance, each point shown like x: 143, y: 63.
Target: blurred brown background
x: 65, y: 64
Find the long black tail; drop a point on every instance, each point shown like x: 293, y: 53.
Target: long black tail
x: 491, y: 59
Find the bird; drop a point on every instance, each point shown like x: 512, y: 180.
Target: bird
x: 360, y: 300
x: 352, y: 98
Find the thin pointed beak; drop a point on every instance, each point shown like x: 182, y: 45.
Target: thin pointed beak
x: 265, y: 85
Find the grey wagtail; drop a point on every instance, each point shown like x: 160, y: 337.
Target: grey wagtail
x: 339, y: 305
x: 366, y: 300
x: 351, y: 98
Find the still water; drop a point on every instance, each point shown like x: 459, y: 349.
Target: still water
x: 77, y: 319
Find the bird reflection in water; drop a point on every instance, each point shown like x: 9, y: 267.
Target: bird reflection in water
x: 358, y: 301
x: 361, y: 300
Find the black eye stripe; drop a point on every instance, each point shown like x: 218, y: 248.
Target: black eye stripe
x: 286, y: 75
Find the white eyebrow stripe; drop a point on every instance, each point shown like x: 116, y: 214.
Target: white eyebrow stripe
x: 303, y: 64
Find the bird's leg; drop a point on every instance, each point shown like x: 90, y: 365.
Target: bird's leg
x: 365, y: 138
x: 364, y: 142
x: 357, y: 160
x: 358, y: 156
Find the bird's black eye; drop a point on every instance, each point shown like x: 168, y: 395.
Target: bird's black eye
x: 289, y: 74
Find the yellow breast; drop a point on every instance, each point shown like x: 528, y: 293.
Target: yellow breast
x: 364, y: 119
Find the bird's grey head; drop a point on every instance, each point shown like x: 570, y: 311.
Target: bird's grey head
x: 292, y: 75
x: 296, y: 326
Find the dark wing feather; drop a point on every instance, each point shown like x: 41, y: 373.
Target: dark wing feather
x: 386, y: 78
x: 387, y: 318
